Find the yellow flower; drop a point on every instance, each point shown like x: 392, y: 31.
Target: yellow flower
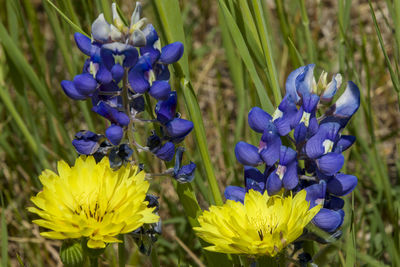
x: 264, y: 225
x: 93, y: 201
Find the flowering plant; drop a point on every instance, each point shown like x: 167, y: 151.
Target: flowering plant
x: 301, y: 154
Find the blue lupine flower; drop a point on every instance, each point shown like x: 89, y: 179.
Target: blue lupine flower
x: 112, y: 114
x: 317, y: 142
x: 342, y: 184
x: 124, y: 63
x: 166, y: 109
x: 247, y: 154
x: 178, y: 128
x: 185, y: 173
x: 86, y: 142
x: 254, y: 179
x: 166, y: 152
x: 114, y: 133
x: 329, y: 220
x: 286, y: 172
x: 270, y: 145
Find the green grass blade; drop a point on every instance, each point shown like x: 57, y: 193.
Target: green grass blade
x: 267, y: 48
x: 4, y: 235
x: 393, y: 76
x: 244, y: 53
x: 70, y: 22
x: 24, y: 67
x: 306, y: 24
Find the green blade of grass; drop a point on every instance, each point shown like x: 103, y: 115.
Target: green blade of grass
x: 24, y: 67
x: 306, y: 24
x: 70, y: 22
x: 393, y: 76
x: 244, y: 53
x: 267, y: 48
x: 4, y: 235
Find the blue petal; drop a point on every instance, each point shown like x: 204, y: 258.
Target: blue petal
x: 286, y: 156
x: 300, y: 133
x: 342, y: 184
x: 330, y: 163
x: 290, y: 179
x: 85, y: 84
x: 186, y: 173
x: 178, y: 128
x: 304, y: 81
x: 86, y: 142
x: 274, y: 184
x: 103, y: 75
x: 137, y: 75
x: 151, y: 45
x: 331, y: 89
x: 112, y: 114
x: 70, y: 90
x: 316, y: 193
x: 83, y: 42
x: 310, y: 103
x: 247, y: 154
x: 258, y: 119
x: 291, y: 84
x: 85, y: 147
x: 161, y: 71
x: 138, y: 81
x: 107, y: 57
x: 117, y: 72
x: 348, y: 102
x: 328, y: 220
x: 334, y: 203
x: 109, y: 87
x: 254, y: 179
x: 95, y: 56
x: 160, y: 90
x: 166, y: 109
x: 131, y: 56
x: 235, y: 193
x: 166, y: 152
x: 171, y: 53
x: 327, y: 131
x: 314, y: 146
x: 344, y: 143
x: 152, y: 52
x: 271, y: 144
x: 114, y: 134
x: 288, y: 111
x: 151, y: 35
x: 344, y: 108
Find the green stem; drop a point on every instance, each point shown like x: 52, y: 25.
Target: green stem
x: 121, y: 251
x: 94, y: 262
x: 154, y: 257
x: 268, y: 261
x: 306, y: 24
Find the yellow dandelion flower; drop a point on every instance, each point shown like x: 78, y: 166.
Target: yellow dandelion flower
x: 93, y: 201
x: 263, y: 225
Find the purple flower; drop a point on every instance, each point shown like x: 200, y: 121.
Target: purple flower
x: 86, y: 142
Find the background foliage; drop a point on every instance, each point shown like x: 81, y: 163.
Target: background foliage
x: 238, y: 54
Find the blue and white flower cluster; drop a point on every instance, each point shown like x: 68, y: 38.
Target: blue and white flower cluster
x: 300, y: 150
x: 126, y: 62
